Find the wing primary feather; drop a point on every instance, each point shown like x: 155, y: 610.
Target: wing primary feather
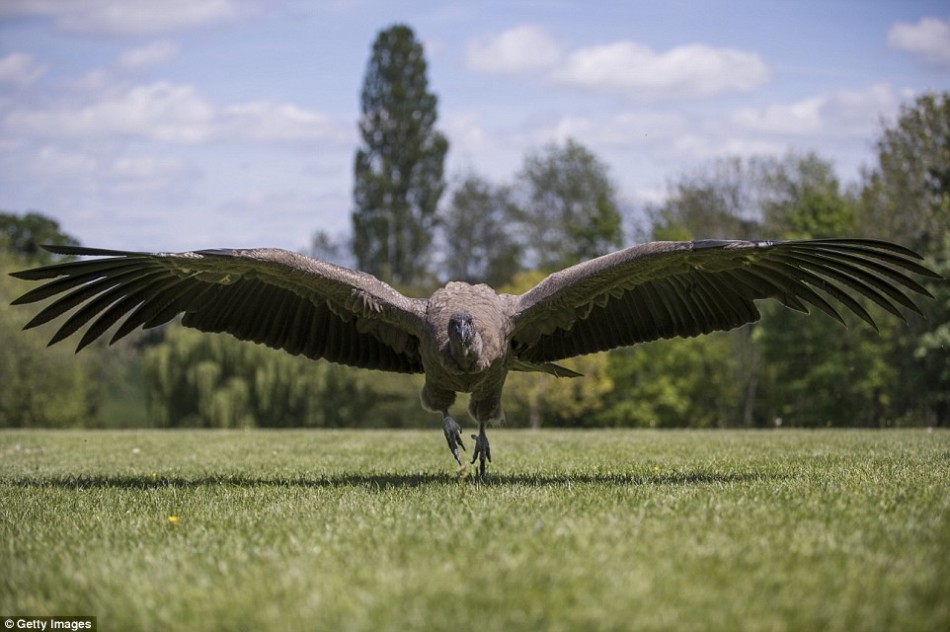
x: 130, y: 297
x: 793, y: 287
x: 156, y: 301
x: 93, y: 299
x: 65, y: 283
x: 72, y: 269
x: 870, y: 272
x: 881, y: 251
x: 84, y: 251
x: 735, y: 292
x: 103, y: 301
x: 64, y: 304
x: 821, y: 283
x: 860, y: 281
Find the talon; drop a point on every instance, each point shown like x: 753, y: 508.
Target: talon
x: 453, y: 436
x: 482, y: 452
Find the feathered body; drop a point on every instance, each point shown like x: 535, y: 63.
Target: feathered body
x: 478, y: 366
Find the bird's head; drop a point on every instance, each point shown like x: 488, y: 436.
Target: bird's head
x: 462, y: 328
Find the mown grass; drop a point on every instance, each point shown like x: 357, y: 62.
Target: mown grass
x: 608, y: 530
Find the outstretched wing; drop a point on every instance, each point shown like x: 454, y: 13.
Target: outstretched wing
x: 669, y: 289
x: 275, y: 297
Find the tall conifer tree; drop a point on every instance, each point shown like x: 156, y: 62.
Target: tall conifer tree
x: 399, y: 165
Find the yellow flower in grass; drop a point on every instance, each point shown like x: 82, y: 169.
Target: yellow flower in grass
x: 172, y: 519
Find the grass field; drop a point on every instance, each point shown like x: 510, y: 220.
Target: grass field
x: 604, y: 530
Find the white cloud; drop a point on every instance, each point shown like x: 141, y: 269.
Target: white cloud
x: 928, y: 40
x: 521, y: 49
x: 851, y: 113
x: 128, y: 17
x: 175, y: 113
x: 160, y: 111
x: 20, y: 69
x: 801, y: 117
x: 692, y: 71
x: 267, y: 121
x: 149, y: 55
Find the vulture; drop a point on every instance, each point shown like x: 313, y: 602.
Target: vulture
x: 466, y: 338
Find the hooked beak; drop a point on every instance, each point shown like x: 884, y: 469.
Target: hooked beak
x: 462, y: 329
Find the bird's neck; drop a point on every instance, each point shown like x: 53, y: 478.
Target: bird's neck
x: 466, y: 355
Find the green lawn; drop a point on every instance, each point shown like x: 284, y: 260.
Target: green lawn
x: 375, y: 530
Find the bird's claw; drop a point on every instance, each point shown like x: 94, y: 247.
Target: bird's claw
x: 453, y: 436
x: 482, y: 452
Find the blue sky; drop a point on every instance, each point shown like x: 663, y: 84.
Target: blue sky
x: 188, y: 124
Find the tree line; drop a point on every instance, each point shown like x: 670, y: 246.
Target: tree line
x: 413, y: 230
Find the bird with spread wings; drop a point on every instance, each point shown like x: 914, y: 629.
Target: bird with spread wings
x: 465, y: 338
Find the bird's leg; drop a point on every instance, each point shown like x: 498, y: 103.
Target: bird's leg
x: 482, y: 449
x: 453, y: 435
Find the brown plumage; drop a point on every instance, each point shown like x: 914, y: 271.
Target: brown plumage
x: 465, y: 338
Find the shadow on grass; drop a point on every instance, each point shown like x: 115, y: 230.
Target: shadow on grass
x: 383, y: 481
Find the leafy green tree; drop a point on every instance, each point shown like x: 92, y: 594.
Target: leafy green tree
x: 45, y: 387
x: 211, y: 380
x: 479, y: 246
x: 22, y: 235
x: 42, y: 387
x: 720, y: 200
x: 569, y: 213
x: 196, y: 379
x: 399, y: 165
x: 932, y: 350
x: 804, y: 199
x: 816, y: 374
x: 906, y: 195
x: 674, y: 384
x: 906, y: 198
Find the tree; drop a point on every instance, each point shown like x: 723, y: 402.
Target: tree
x: 196, y: 379
x: 214, y: 380
x: 803, y: 199
x: 721, y: 200
x: 41, y: 387
x: 569, y: 213
x: 399, y: 166
x: 906, y: 198
x: 906, y: 195
x: 22, y: 235
x: 673, y: 383
x: 477, y: 237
